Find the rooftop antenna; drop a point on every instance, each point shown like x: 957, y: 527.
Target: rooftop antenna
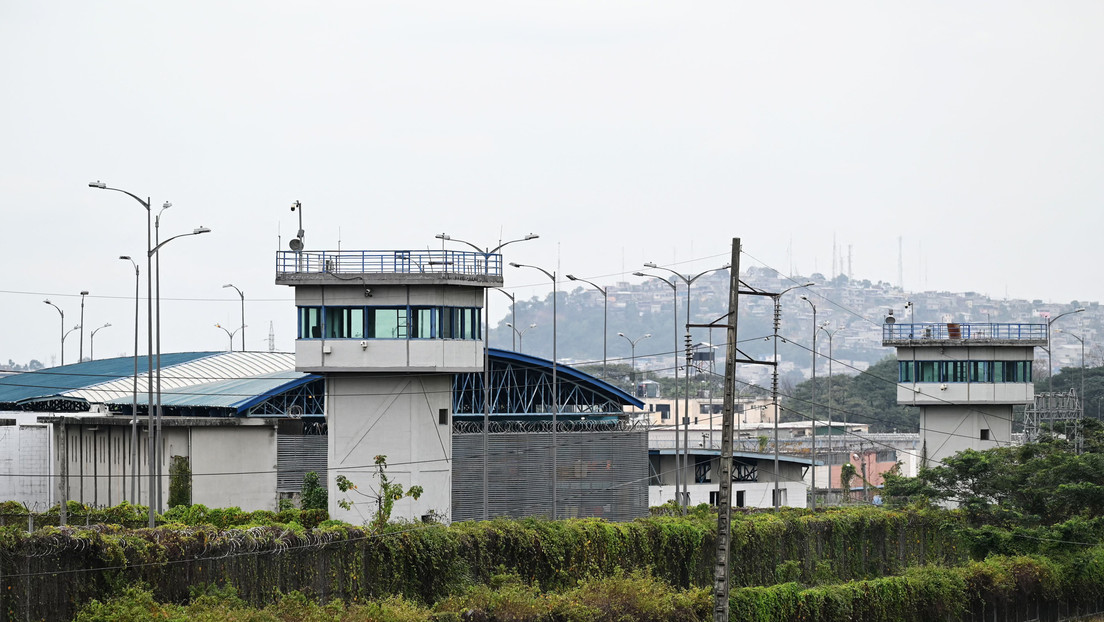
x: 297, y: 244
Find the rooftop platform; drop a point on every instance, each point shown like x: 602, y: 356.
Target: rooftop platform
x: 950, y: 333
x: 428, y: 267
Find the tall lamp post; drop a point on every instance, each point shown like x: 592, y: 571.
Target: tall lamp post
x: 486, y: 252
x: 92, y: 342
x: 155, y: 251
x: 80, y: 356
x: 674, y: 312
x: 242, y: 315
x: 555, y: 386
x: 689, y: 280
x: 134, y: 401
x: 1050, y: 356
x: 149, y: 331
x: 830, y: 333
x: 66, y: 334
x: 812, y: 401
x: 1082, y: 340
x: 605, y: 316
x: 774, y: 387
x: 632, y: 344
x: 513, y: 316
x: 519, y: 333
x: 47, y: 301
x: 230, y: 334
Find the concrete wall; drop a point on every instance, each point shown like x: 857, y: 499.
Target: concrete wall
x: 949, y: 429
x: 397, y: 416
x: 234, y: 466
x: 25, y: 464
x: 756, y: 494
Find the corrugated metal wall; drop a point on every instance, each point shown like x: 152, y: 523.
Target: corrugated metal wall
x: 602, y: 473
x: 295, y: 456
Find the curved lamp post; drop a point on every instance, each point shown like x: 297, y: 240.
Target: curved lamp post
x: 689, y: 280
x: 605, y: 306
x: 92, y: 342
x: 242, y: 315
x: 134, y: 401
x: 830, y: 333
x: 812, y: 401
x: 1050, y: 358
x: 80, y: 356
x: 678, y: 466
x: 486, y: 252
x: 555, y: 385
x: 157, y: 441
x: 632, y: 344
x: 519, y: 333
x: 774, y: 386
x: 47, y: 301
x: 149, y: 332
x: 513, y: 316
x: 229, y: 334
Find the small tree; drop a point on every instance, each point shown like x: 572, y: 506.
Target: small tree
x: 847, y: 473
x: 388, y: 493
x: 180, y: 481
x: 312, y: 496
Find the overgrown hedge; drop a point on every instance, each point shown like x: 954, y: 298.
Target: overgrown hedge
x: 62, y: 568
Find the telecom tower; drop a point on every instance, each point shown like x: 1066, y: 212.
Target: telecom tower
x: 965, y: 379
x: 388, y: 330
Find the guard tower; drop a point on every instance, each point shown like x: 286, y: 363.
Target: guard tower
x: 388, y: 330
x: 965, y: 378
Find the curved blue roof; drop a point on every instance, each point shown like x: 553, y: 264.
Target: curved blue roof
x: 600, y: 386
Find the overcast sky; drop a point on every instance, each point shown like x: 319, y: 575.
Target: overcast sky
x: 620, y: 132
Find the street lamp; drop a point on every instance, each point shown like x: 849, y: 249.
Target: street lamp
x: 47, y: 301
x: 830, y: 333
x: 674, y: 309
x: 77, y: 327
x: 155, y: 251
x: 519, y: 334
x: 1050, y: 356
x: 92, y: 342
x: 513, y: 316
x: 486, y: 252
x: 812, y: 400
x: 149, y: 332
x: 242, y: 315
x: 689, y: 280
x: 774, y: 385
x: 1082, y: 340
x: 632, y: 343
x: 80, y: 355
x: 230, y: 334
x: 134, y: 400
x: 605, y: 316
x: 555, y: 384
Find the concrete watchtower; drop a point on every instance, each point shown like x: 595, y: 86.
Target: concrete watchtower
x: 965, y: 378
x: 388, y: 330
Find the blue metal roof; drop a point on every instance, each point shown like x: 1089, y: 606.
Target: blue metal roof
x: 237, y: 393
x: 56, y: 381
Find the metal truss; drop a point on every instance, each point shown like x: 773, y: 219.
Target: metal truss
x: 520, y: 389
x: 305, y: 400
x: 1052, y: 408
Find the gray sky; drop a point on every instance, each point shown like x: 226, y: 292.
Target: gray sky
x: 621, y: 132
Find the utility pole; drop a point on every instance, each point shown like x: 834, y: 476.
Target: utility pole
x: 721, y: 570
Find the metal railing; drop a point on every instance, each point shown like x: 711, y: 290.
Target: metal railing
x: 952, y: 331
x: 389, y: 262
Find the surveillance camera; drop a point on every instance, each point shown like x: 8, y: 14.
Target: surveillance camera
x: 367, y: 292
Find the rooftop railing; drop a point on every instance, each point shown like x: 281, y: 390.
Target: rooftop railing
x: 951, y: 331
x: 389, y: 262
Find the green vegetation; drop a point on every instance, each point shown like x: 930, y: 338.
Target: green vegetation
x: 180, y: 481
x: 313, y: 496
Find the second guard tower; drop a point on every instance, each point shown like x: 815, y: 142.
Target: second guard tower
x: 388, y: 330
x: 965, y: 378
